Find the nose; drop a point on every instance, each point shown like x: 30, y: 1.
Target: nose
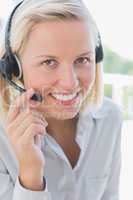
x: 69, y: 79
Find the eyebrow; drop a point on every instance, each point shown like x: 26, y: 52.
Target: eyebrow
x: 50, y: 56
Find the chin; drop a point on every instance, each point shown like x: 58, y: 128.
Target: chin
x: 62, y: 115
x: 60, y: 112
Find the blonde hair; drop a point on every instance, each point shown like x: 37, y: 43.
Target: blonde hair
x: 25, y: 17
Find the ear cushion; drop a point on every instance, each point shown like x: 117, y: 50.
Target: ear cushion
x: 99, y: 50
x: 9, y: 67
x: 14, y: 65
x: 19, y: 74
x: 4, y: 68
x: 99, y: 53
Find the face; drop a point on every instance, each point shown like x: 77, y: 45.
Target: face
x: 59, y: 62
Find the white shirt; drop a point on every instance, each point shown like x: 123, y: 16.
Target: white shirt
x: 96, y: 174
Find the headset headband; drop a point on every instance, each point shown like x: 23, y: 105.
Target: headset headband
x: 7, y: 32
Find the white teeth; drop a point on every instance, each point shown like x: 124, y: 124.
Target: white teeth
x: 64, y: 97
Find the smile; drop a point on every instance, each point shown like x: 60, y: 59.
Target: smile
x: 63, y: 97
x: 66, y: 99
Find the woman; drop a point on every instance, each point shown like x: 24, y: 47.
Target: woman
x: 66, y: 147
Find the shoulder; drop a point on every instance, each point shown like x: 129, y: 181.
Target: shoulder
x: 107, y: 121
x: 107, y: 124
x: 109, y: 110
x: 8, y: 161
x: 108, y: 115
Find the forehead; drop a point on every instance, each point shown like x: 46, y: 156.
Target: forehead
x: 66, y: 30
x: 62, y: 35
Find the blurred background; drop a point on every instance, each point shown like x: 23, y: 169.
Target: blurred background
x: 114, y: 21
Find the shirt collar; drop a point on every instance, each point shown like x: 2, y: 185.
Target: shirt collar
x: 84, y: 127
x: 86, y: 123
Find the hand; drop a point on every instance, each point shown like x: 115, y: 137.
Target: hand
x: 25, y: 128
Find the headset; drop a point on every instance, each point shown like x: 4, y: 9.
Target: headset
x: 10, y: 64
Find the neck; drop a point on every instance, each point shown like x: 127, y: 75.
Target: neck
x: 62, y: 128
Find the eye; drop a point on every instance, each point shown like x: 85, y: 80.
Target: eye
x: 50, y: 63
x: 83, y: 60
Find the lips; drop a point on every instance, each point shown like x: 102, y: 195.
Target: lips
x: 64, y: 93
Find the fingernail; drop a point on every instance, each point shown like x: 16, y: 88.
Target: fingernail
x: 30, y: 92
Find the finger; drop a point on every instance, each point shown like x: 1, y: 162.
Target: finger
x: 29, y: 135
x: 26, y: 115
x: 26, y: 124
x: 18, y: 104
x: 38, y: 140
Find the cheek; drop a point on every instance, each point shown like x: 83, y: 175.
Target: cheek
x: 39, y: 81
x: 87, y: 77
